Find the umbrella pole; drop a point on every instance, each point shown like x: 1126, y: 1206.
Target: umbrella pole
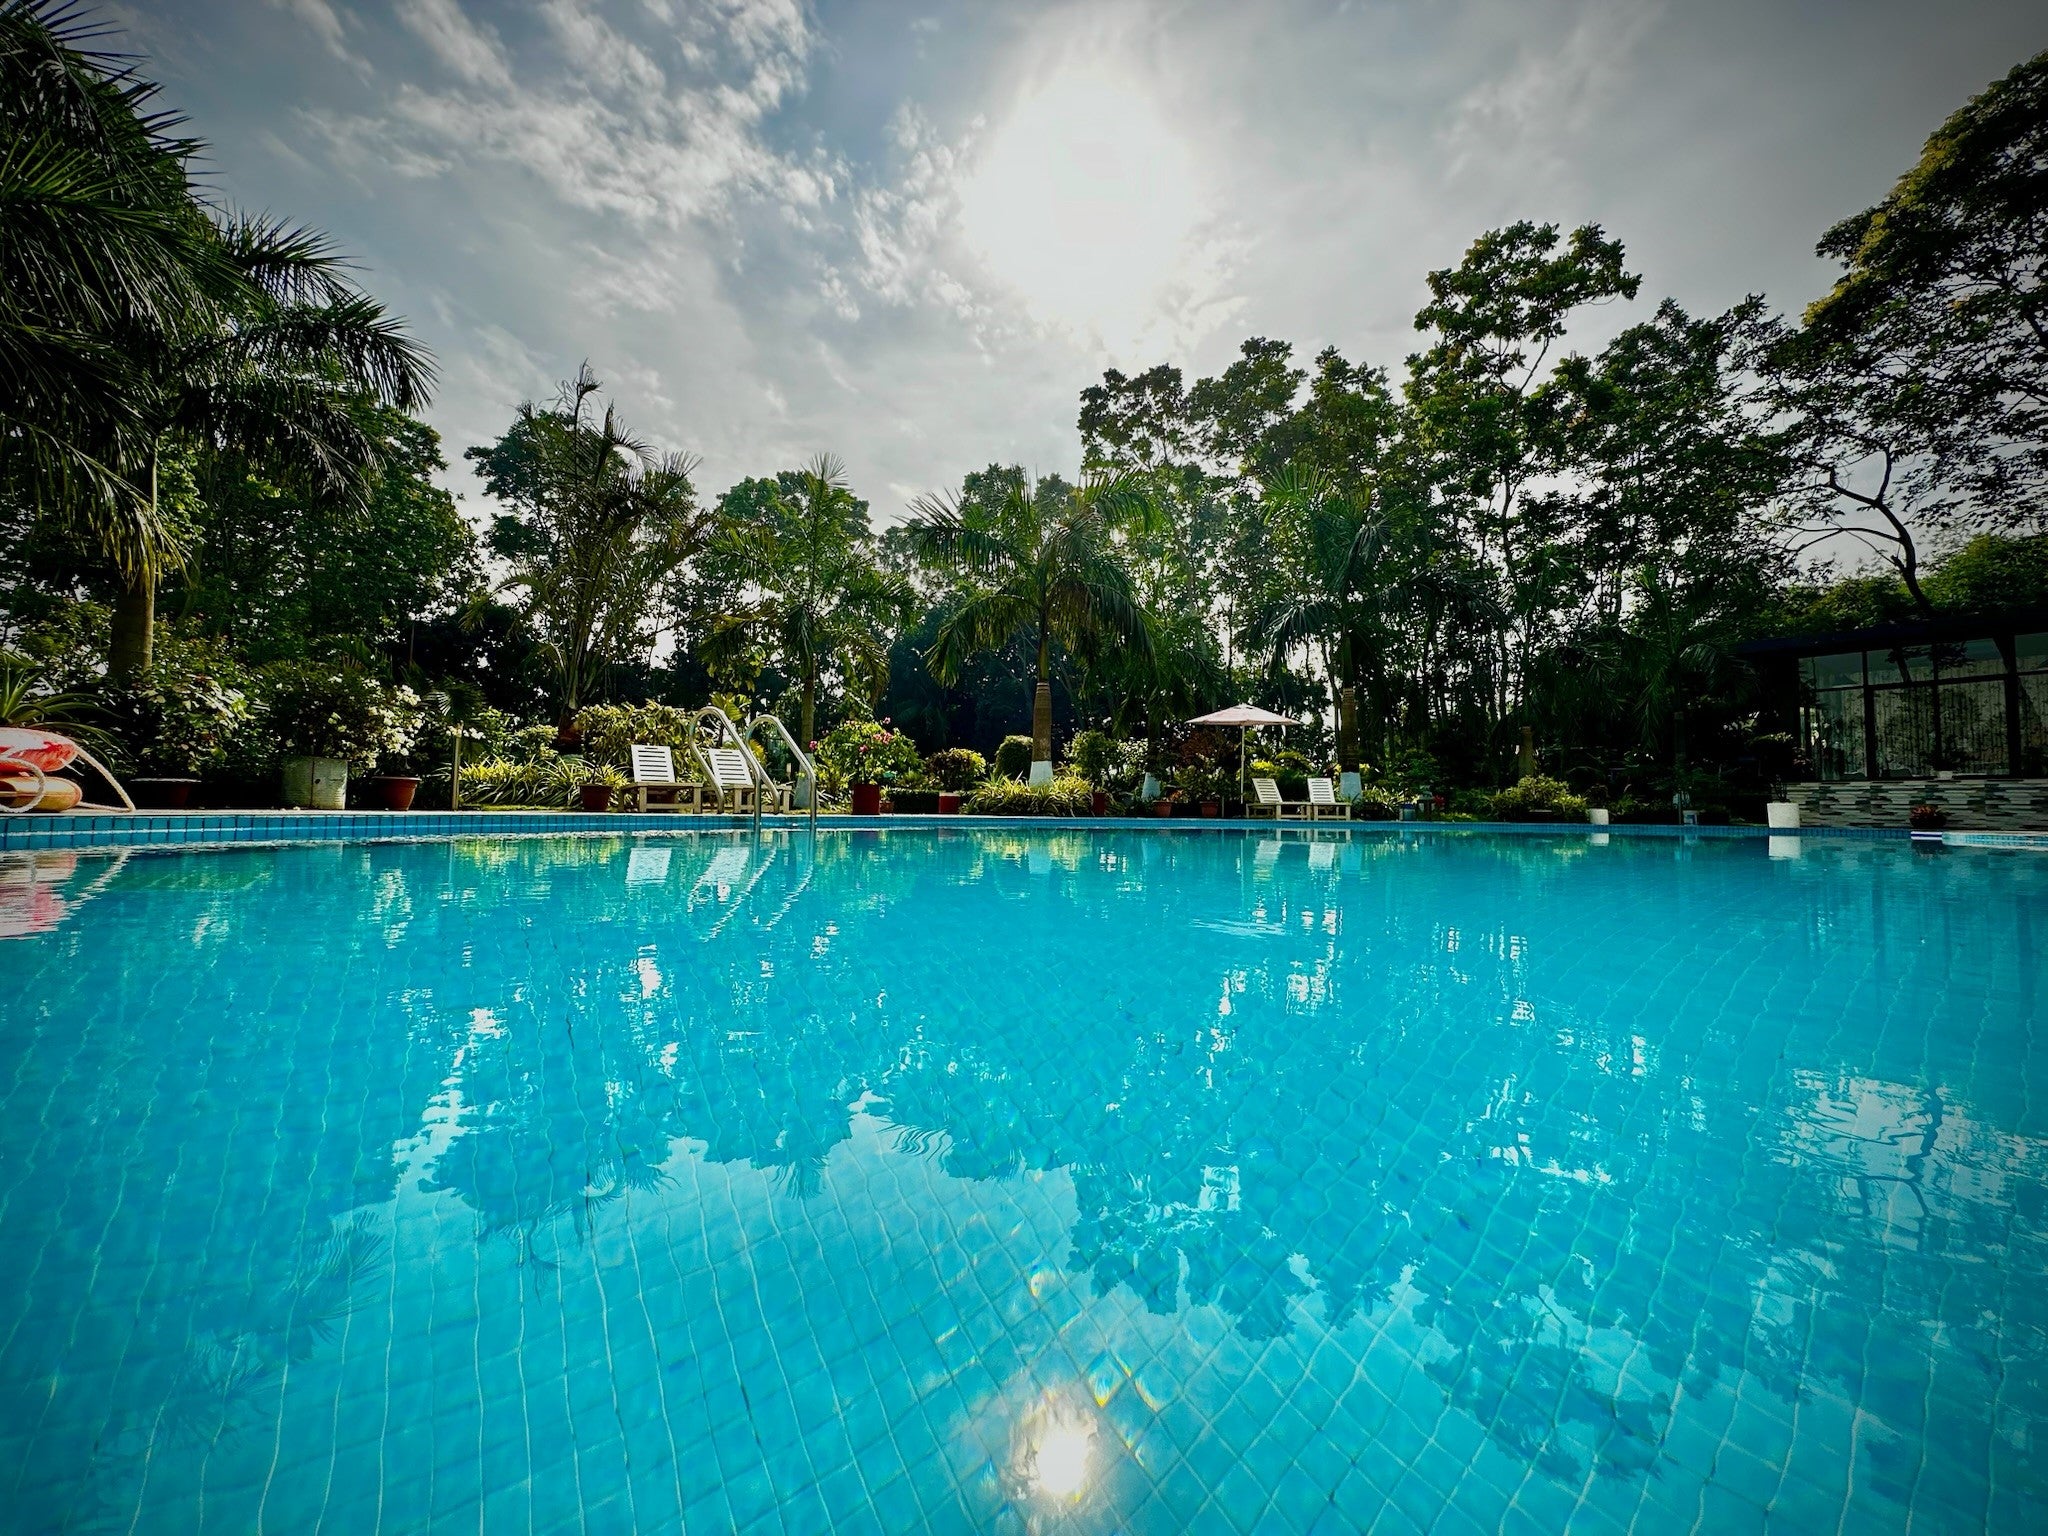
x: 1242, y: 732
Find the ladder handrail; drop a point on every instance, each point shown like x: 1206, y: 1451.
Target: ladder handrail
x: 803, y: 762
x: 727, y: 730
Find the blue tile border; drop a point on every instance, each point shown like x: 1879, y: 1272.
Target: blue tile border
x: 186, y: 828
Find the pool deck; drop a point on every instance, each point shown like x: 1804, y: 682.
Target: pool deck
x: 131, y: 829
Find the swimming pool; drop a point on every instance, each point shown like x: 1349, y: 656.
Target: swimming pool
x: 1016, y: 1180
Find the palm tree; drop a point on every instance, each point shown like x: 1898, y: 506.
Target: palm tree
x: 103, y: 236
x: 821, y: 599
x: 138, y: 322
x: 1038, y: 560
x: 602, y: 523
x: 271, y: 384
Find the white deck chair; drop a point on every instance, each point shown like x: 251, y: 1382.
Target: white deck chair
x: 734, y: 783
x: 1323, y: 802
x: 1269, y: 802
x: 654, y: 774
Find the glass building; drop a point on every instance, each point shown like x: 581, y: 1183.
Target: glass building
x: 1912, y: 701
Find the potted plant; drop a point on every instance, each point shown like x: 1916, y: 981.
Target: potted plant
x: 955, y: 771
x: 1927, y: 817
x: 172, y: 725
x: 324, y: 719
x: 867, y: 754
x: 600, y: 782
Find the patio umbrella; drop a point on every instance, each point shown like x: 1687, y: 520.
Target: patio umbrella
x: 1244, y: 717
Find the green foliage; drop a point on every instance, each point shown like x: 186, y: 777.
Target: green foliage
x: 27, y: 698
x: 797, y: 556
x: 598, y: 524
x: 173, y: 721
x: 1538, y: 793
x: 1013, y: 758
x: 1205, y: 784
x: 605, y: 774
x: 956, y: 769
x: 1104, y: 761
x: 610, y: 731
x: 549, y: 781
x: 320, y: 709
x: 1992, y: 574
x: 1374, y: 805
x: 1066, y: 795
x: 868, y: 752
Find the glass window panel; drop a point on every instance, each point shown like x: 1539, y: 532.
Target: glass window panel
x: 2033, y: 652
x: 1905, y: 664
x: 1973, y: 727
x: 1969, y: 658
x: 1905, y: 732
x: 1834, y: 734
x: 2034, y: 725
x: 1845, y: 671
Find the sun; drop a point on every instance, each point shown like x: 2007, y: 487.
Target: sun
x: 1085, y: 202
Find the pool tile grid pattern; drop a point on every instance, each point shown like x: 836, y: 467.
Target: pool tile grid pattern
x: 1379, y: 1199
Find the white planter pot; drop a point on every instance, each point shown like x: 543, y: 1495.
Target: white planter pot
x: 1041, y: 772
x: 315, y: 783
x: 1597, y: 816
x: 1781, y: 813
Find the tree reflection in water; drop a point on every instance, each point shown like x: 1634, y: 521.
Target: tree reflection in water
x: 1587, y: 1133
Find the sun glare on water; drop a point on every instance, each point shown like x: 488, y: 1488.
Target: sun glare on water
x: 1084, y: 203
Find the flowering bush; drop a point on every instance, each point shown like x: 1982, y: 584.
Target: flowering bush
x: 315, y: 709
x: 867, y: 752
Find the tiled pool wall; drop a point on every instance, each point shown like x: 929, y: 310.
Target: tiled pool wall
x: 184, y: 828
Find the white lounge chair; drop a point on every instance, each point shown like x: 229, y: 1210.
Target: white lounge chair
x: 1323, y: 802
x: 654, y: 786
x: 1270, y: 804
x: 734, y: 782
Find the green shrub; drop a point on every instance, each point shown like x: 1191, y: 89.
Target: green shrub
x: 1013, y: 758
x: 549, y: 782
x: 173, y: 723
x: 321, y: 709
x: 1374, y: 805
x: 956, y: 770
x: 1106, y: 762
x: 1067, y: 795
x: 865, y: 752
x: 1538, y: 793
x: 610, y: 730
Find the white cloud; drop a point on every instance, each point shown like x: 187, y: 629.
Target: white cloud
x: 324, y: 21
x: 471, y: 50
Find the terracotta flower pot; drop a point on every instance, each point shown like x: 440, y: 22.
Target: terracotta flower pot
x: 398, y: 790
x: 1162, y: 808
x: 1099, y: 802
x: 596, y: 797
x: 949, y: 803
x: 867, y: 799
x: 162, y: 794
x: 1212, y: 808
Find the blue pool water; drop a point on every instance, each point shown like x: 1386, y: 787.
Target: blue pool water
x: 1025, y: 1181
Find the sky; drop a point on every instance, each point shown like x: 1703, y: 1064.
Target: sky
x: 909, y: 234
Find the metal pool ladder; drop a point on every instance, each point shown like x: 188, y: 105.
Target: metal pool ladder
x: 806, y: 771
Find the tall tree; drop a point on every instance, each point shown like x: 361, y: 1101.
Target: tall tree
x: 1942, y: 295
x: 140, y: 324
x: 1040, y: 560
x: 813, y: 592
x: 1486, y: 420
x: 599, y: 523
